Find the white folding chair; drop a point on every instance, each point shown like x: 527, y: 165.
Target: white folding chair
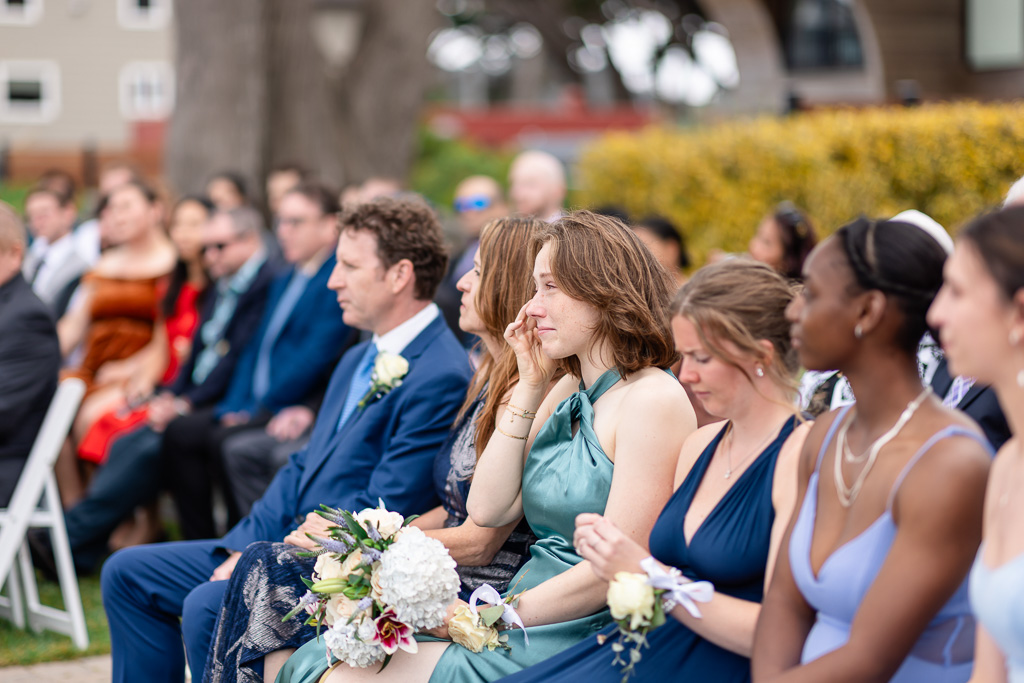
x: 36, y: 504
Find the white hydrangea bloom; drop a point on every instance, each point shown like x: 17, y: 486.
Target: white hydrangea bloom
x: 418, y: 579
x: 358, y: 652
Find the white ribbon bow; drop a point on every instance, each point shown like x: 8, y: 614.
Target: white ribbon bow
x: 487, y: 593
x: 681, y: 592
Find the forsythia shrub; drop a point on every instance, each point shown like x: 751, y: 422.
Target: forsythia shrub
x: 951, y: 161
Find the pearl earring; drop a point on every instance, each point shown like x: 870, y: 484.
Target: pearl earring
x: 1014, y: 337
x: 858, y: 331
x: 760, y: 372
x: 1020, y: 379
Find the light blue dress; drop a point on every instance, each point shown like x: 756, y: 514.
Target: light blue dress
x: 566, y: 474
x: 945, y: 651
x: 997, y: 596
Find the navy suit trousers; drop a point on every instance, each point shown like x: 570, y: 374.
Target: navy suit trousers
x: 145, y: 588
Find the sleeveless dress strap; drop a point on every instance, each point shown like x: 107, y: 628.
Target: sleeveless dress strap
x: 938, y: 436
x: 830, y: 434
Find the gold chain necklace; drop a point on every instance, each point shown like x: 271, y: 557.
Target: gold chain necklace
x: 748, y: 456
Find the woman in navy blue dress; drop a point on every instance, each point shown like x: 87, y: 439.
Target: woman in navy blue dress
x: 735, y: 485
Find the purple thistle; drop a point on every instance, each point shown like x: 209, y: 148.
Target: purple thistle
x: 364, y: 604
x: 370, y: 556
x: 331, y: 545
x: 308, y: 599
x: 372, y: 532
x: 345, y: 538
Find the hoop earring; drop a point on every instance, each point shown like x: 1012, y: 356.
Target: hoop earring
x: 858, y: 331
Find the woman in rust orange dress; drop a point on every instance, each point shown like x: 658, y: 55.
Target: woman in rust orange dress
x: 114, y: 315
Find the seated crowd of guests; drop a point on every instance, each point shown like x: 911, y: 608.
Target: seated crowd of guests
x: 573, y: 406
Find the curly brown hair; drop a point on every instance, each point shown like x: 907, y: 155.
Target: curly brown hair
x: 599, y: 261
x: 406, y: 229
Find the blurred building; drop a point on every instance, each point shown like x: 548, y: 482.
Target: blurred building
x: 80, y: 79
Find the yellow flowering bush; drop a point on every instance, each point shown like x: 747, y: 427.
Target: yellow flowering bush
x: 949, y: 160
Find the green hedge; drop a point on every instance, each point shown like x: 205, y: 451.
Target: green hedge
x: 949, y: 160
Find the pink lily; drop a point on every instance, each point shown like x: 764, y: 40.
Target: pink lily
x: 393, y: 635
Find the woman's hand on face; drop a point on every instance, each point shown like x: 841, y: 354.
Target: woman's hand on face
x: 535, y: 368
x: 608, y: 550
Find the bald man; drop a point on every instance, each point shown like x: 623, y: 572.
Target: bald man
x: 537, y: 185
x: 29, y: 356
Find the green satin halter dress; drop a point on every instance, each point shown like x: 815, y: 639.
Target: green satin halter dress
x: 565, y: 475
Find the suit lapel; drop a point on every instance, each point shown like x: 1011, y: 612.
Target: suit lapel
x: 333, y: 439
x: 941, y: 381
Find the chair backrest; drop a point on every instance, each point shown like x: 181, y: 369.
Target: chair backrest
x: 41, y: 458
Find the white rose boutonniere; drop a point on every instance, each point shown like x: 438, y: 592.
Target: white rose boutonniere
x: 388, y: 371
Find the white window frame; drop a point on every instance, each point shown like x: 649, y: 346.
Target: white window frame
x: 134, y: 72
x: 31, y: 13
x: 994, y: 34
x: 157, y: 17
x: 48, y: 74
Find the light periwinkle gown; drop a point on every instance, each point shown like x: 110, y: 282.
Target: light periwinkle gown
x: 565, y: 475
x: 945, y: 651
x: 997, y: 596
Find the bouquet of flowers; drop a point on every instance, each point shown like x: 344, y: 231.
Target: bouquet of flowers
x: 639, y: 603
x: 376, y: 582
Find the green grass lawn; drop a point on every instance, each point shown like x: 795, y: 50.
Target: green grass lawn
x: 14, y: 195
x: 18, y: 647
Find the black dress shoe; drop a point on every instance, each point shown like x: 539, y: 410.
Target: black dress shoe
x: 42, y: 553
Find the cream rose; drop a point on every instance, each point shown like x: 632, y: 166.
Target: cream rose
x: 631, y: 597
x: 327, y: 567
x: 390, y: 368
x: 386, y: 522
x: 468, y: 631
x: 375, y: 584
x: 339, y: 609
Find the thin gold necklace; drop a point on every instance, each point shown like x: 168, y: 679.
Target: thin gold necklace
x: 748, y: 456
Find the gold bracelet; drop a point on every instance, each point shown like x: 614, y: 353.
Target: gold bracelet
x: 511, y: 436
x: 523, y: 412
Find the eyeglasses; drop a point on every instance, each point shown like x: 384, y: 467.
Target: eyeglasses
x: 218, y: 246
x: 475, y: 202
x: 293, y: 222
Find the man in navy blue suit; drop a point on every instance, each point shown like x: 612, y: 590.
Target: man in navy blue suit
x: 286, y: 363
x: 366, y: 445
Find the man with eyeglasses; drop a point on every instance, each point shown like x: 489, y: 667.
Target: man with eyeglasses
x: 241, y: 273
x: 478, y: 201
x: 278, y: 383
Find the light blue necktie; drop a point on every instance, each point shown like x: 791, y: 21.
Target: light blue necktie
x: 961, y: 385
x: 282, y: 311
x: 360, y: 383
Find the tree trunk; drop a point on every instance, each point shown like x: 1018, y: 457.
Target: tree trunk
x: 254, y: 90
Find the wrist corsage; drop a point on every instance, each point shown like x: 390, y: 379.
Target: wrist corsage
x: 639, y: 603
x: 475, y: 629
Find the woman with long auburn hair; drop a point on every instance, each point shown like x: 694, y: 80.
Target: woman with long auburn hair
x: 604, y: 439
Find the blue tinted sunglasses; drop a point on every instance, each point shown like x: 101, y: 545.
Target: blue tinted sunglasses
x: 475, y: 202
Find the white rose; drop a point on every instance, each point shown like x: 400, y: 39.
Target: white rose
x: 390, y: 368
x: 327, y: 567
x: 386, y: 522
x: 631, y: 597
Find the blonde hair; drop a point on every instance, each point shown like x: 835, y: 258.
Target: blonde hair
x: 742, y: 302
x: 601, y: 262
